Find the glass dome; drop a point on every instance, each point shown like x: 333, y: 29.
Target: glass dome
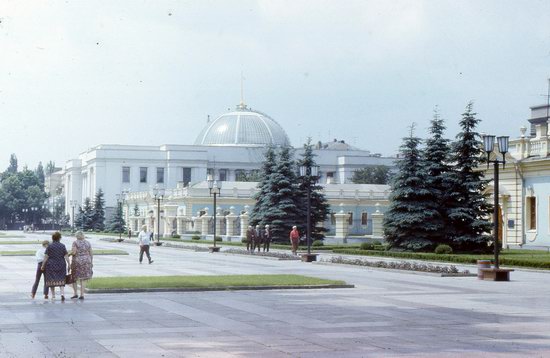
x: 243, y: 127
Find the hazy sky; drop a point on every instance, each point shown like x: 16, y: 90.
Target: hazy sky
x: 75, y: 74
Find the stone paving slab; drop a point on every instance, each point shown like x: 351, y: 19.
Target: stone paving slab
x: 388, y: 314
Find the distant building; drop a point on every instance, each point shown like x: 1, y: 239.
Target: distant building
x: 228, y: 147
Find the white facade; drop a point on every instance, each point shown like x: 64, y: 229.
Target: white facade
x: 233, y: 142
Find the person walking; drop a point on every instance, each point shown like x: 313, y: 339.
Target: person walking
x: 144, y: 241
x: 258, y: 235
x: 267, y: 238
x: 294, y: 239
x: 249, y: 238
x: 39, y: 255
x: 55, y: 264
x: 81, y: 264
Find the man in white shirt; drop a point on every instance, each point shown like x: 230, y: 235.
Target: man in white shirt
x: 144, y: 242
x: 39, y: 255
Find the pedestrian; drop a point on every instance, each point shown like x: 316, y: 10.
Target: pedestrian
x: 39, y: 255
x: 81, y: 264
x: 54, y: 266
x: 267, y: 238
x: 249, y: 238
x: 144, y: 241
x: 294, y: 239
x: 129, y: 233
x: 258, y: 236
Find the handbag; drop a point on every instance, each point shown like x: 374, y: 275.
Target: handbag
x: 69, y: 279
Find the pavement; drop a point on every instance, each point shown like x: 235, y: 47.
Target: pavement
x: 389, y: 313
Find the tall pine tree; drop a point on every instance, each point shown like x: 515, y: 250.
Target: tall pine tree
x: 409, y: 221
x: 320, y: 208
x: 435, y: 166
x: 98, y: 216
x: 117, y: 224
x: 87, y: 215
x: 280, y: 210
x: 467, y: 207
x: 261, y: 197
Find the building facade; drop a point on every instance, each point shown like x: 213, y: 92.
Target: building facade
x: 524, y: 190
x: 228, y: 148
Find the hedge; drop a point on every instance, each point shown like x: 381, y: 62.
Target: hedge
x: 515, y: 259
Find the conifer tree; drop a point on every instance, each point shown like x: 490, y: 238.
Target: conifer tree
x: 468, y: 210
x: 408, y: 223
x: 117, y: 223
x: 261, y: 197
x: 435, y: 164
x: 87, y: 215
x: 320, y: 208
x: 280, y: 210
x: 98, y: 216
x: 79, y: 219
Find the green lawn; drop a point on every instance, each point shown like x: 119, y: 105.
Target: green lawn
x: 137, y: 282
x: 32, y: 252
x: 522, y: 258
x: 20, y: 242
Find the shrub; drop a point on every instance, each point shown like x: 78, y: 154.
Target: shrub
x: 379, y: 247
x: 195, y: 237
x: 244, y: 240
x: 219, y: 238
x: 317, y: 243
x: 176, y: 236
x: 443, y: 249
x: 376, y: 242
x: 366, y: 246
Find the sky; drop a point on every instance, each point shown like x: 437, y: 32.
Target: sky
x: 75, y: 74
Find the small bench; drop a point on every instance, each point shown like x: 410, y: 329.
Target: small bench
x: 492, y: 274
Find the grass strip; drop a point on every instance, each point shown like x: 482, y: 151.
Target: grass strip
x: 31, y: 252
x: 530, y: 259
x: 20, y: 242
x: 145, y: 282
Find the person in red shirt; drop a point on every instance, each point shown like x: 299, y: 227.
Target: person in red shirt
x: 294, y: 239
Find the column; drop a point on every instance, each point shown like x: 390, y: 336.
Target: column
x: 230, y: 222
x: 377, y: 226
x: 342, y: 223
x: 244, y: 221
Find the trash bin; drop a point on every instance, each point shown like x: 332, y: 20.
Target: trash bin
x: 482, y: 264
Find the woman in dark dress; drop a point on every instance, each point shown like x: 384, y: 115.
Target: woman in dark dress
x: 56, y: 261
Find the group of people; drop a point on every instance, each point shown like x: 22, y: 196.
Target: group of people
x: 61, y: 267
x: 256, y: 237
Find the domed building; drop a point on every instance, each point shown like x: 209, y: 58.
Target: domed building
x: 243, y: 127
x: 228, y: 148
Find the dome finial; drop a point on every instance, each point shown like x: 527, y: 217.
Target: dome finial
x: 242, y: 105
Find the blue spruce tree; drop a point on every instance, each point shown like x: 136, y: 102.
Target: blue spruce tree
x: 98, y: 216
x: 320, y: 208
x: 268, y: 167
x: 409, y: 221
x: 436, y: 168
x: 467, y: 208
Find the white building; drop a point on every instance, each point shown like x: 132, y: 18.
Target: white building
x: 524, y: 190
x: 231, y: 144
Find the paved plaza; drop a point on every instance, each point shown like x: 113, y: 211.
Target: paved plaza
x: 387, y: 314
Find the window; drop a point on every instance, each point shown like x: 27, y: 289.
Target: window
x: 531, y: 213
x: 364, y: 218
x: 160, y: 175
x: 125, y: 174
x: 223, y: 174
x: 350, y: 221
x: 143, y: 175
x: 186, y: 176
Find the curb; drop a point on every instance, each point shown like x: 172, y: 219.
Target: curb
x: 207, y: 289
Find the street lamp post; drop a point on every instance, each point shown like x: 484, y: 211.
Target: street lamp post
x: 158, y: 194
x: 25, y: 216
x: 488, y: 146
x: 73, y: 205
x: 309, y: 174
x: 34, y: 209
x: 215, y: 187
x: 119, y: 199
